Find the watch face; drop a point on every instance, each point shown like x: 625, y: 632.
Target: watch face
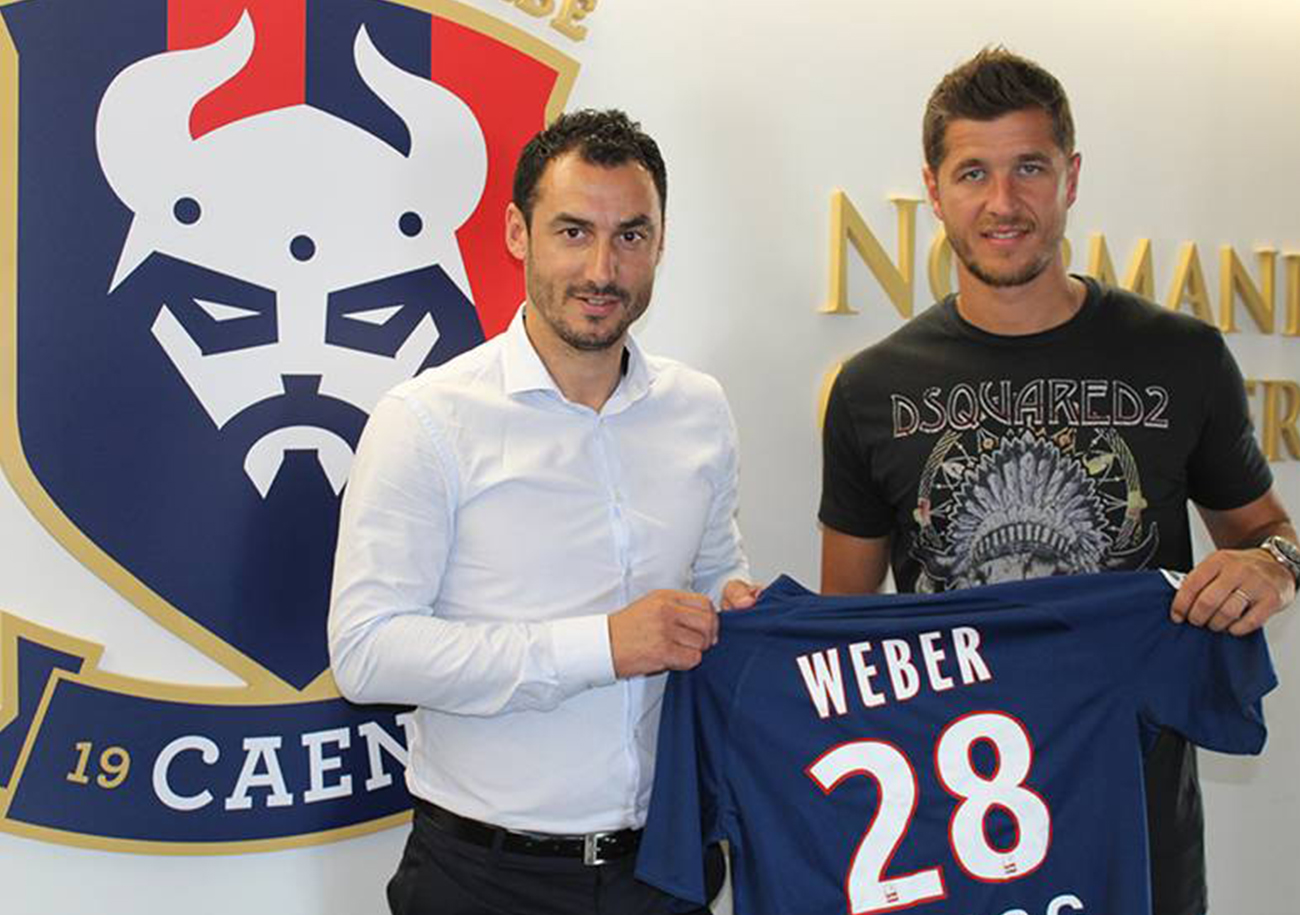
x: 1285, y: 550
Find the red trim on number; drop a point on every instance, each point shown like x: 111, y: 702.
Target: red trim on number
x: 1023, y: 786
x: 880, y: 794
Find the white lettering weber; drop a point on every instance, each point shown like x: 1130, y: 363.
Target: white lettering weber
x: 940, y: 651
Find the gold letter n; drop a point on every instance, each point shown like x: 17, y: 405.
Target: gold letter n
x: 848, y: 225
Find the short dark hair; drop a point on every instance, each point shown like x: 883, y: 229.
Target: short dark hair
x: 992, y: 83
x: 607, y: 138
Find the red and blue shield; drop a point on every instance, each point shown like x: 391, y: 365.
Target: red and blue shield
x: 235, y: 223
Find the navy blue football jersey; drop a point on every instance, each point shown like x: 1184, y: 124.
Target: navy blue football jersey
x: 975, y: 752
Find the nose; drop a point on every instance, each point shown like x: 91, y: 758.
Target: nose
x: 602, y: 262
x: 1002, y: 195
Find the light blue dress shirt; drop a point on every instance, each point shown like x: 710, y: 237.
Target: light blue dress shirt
x: 489, y: 528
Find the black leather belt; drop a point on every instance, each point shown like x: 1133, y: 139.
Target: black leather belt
x: 592, y: 848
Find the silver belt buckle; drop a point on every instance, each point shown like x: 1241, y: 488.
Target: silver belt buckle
x: 590, y: 848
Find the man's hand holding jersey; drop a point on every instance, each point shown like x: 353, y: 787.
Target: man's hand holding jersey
x: 1248, y: 579
x: 671, y: 630
x: 1234, y: 591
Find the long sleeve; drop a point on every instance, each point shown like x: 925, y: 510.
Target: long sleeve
x: 721, y: 555
x: 490, y: 528
x: 387, y: 641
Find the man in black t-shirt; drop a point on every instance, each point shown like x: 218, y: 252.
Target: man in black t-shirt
x: 1038, y: 423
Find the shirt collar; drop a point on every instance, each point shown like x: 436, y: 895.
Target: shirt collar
x: 523, y: 370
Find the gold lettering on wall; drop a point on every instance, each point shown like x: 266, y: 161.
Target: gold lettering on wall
x: 571, y: 13
x: 1291, y: 266
x: 566, y: 20
x: 1235, y: 281
x: 1140, y: 277
x: 897, y: 280
x: 1189, y: 285
x: 537, y: 8
x: 1281, y: 411
x: 1188, y: 289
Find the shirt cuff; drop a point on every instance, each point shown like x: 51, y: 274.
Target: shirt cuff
x: 583, y: 657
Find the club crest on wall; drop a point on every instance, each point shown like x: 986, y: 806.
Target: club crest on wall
x: 234, y: 225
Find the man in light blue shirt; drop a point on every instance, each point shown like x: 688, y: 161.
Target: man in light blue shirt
x: 531, y: 535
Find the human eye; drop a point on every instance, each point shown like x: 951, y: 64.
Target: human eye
x: 633, y: 237
x: 570, y: 230
x: 970, y: 174
x: 1032, y: 168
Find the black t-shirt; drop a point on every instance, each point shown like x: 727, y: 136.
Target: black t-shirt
x: 991, y: 458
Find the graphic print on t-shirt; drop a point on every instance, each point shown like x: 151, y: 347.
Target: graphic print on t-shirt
x: 1028, y: 482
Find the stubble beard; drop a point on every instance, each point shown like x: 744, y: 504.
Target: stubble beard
x: 594, y: 337
x: 1004, y: 280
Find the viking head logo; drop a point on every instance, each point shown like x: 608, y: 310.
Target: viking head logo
x: 304, y: 266
x: 229, y: 247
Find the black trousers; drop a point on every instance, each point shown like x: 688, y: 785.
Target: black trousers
x: 442, y: 875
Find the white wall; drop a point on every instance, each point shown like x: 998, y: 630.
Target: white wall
x: 1186, y: 121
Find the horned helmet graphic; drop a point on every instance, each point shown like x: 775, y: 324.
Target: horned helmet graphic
x: 302, y: 246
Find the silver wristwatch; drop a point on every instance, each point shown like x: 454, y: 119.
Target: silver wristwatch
x: 1285, y: 552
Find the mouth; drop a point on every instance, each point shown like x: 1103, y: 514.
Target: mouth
x: 599, y: 304
x: 1006, y: 235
